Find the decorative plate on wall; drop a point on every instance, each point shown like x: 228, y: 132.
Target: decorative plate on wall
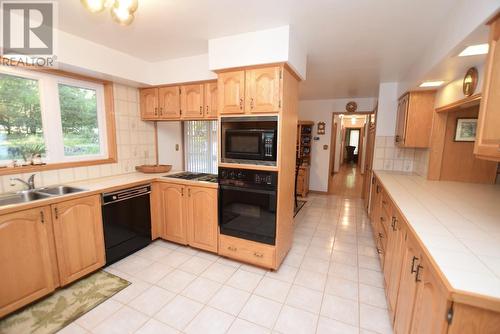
x: 470, y: 81
x: 351, y: 106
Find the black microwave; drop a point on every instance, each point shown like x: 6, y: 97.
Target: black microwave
x: 250, y: 144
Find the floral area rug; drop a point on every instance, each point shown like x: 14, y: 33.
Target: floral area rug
x: 63, y: 306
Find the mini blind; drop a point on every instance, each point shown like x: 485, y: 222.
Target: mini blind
x: 200, y: 146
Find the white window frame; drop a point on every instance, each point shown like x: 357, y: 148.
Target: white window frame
x: 48, y: 88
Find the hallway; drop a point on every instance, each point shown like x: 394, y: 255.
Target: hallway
x: 348, y: 182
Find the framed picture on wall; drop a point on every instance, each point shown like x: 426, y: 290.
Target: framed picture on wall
x: 466, y: 129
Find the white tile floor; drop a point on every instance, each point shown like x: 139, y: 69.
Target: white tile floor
x: 330, y: 282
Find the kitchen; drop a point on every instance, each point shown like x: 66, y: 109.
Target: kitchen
x: 164, y: 191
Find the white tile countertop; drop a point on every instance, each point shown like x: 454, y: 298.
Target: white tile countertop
x: 459, y: 223
x: 105, y: 184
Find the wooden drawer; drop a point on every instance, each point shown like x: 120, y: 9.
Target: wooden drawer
x: 247, y: 251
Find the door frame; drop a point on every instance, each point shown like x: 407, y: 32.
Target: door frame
x: 333, y: 147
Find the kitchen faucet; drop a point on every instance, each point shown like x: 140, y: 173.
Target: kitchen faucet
x: 30, y: 183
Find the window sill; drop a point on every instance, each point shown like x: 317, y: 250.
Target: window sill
x: 62, y: 165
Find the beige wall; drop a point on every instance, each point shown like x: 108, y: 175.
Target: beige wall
x: 135, y: 144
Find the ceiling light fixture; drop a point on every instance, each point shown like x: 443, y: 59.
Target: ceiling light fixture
x: 474, y: 50
x: 122, y: 11
x: 431, y: 84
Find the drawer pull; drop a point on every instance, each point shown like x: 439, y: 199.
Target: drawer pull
x: 231, y: 248
x: 258, y: 254
x: 417, y: 278
x: 393, y: 225
x: 380, y: 235
x: 413, y: 270
x: 379, y: 251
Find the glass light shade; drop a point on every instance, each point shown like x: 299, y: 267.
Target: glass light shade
x: 122, y: 16
x: 94, y: 6
x: 130, y: 5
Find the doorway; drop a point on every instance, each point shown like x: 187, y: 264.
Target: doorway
x: 347, y: 154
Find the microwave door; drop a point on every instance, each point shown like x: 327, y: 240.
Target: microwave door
x: 244, y: 145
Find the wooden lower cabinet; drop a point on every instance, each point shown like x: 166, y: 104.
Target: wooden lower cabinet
x: 247, y: 251
x: 25, y: 258
x: 431, y: 301
x: 303, y: 181
x: 79, y: 238
x: 407, y: 286
x: 419, y: 298
x: 172, y: 212
x: 187, y: 214
x: 202, y: 220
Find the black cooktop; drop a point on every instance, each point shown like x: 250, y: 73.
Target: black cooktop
x: 194, y: 176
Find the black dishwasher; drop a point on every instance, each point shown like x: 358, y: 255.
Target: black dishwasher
x: 126, y: 219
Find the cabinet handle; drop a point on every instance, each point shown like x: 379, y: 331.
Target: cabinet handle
x: 189, y: 192
x: 156, y: 111
x: 161, y: 111
x: 382, y: 219
x: 379, y: 251
x: 413, y: 270
x: 241, y: 103
x: 417, y: 275
x: 258, y: 254
x: 378, y: 189
x: 201, y: 110
x: 393, y: 225
x: 384, y: 202
x: 251, y: 103
x: 182, y: 191
x: 231, y: 248
x: 42, y: 217
x: 56, y: 211
x: 381, y: 236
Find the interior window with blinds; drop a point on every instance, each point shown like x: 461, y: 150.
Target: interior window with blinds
x: 200, y: 146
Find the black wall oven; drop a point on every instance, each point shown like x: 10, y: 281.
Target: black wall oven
x: 247, y: 204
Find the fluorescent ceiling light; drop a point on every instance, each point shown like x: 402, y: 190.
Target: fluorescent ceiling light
x: 474, y: 50
x: 431, y: 84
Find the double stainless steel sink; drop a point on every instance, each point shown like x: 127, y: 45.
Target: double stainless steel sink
x: 36, y: 194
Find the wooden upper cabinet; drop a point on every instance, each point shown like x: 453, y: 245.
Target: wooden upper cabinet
x: 487, y: 144
x: 210, y: 97
x: 173, y: 211
x: 149, y: 103
x: 25, y: 261
x: 202, y: 218
x: 262, y: 90
x: 431, y: 301
x: 192, y: 101
x: 79, y: 237
x: 414, y: 119
x: 231, y: 92
x: 169, y: 102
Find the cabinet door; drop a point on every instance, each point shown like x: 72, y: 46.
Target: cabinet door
x: 263, y: 90
x: 211, y: 100
x: 231, y: 92
x: 169, y: 102
x: 487, y: 144
x: 173, y: 212
x: 192, y: 101
x: 407, y: 287
x: 402, y: 114
x: 394, y: 260
x: 473, y: 320
x: 25, y: 261
x: 202, y: 218
x: 431, y: 302
x: 79, y: 237
x: 149, y: 103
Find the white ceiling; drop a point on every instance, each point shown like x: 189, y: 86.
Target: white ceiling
x: 352, y: 45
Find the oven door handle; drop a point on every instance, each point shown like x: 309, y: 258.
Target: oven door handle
x: 253, y: 190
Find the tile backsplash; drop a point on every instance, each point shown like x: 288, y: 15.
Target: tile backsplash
x: 135, y: 145
x: 387, y: 156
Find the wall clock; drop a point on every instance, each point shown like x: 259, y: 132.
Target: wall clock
x: 351, y: 106
x: 470, y: 81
